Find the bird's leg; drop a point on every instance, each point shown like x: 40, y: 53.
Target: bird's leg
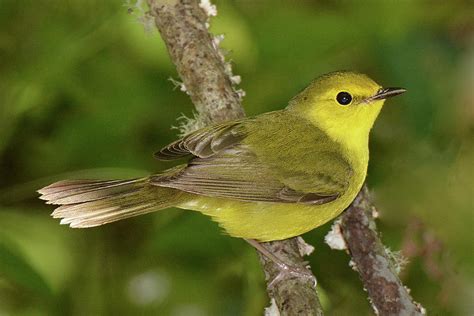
x: 285, y: 270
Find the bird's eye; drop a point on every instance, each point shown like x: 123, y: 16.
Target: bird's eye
x: 344, y: 98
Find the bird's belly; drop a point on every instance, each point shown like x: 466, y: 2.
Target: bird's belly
x: 265, y: 221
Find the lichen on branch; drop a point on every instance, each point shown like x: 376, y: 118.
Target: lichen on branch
x: 198, y: 59
x: 377, y: 270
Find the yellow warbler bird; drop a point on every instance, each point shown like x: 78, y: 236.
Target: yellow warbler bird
x: 269, y: 177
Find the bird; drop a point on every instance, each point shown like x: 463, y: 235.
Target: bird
x: 269, y: 177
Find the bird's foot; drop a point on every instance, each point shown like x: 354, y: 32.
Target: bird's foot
x: 287, y: 272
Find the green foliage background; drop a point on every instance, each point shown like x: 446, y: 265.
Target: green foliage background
x: 84, y: 92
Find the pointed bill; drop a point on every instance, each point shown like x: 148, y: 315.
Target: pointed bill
x: 385, y: 93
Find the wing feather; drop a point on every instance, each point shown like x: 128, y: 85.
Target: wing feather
x: 226, y: 165
x: 204, y: 142
x: 239, y: 177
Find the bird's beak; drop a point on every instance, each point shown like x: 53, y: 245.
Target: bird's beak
x: 385, y: 93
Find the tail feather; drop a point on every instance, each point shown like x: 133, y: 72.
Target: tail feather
x: 88, y: 203
x: 70, y: 192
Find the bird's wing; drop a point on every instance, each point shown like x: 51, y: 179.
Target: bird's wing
x: 226, y: 165
x: 237, y: 174
x: 204, y: 142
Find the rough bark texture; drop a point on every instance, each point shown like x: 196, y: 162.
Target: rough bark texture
x: 386, y: 292
x: 183, y: 27
x: 294, y: 296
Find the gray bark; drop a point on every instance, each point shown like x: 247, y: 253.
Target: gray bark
x: 377, y: 271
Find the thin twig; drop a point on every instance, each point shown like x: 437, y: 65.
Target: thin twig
x: 183, y: 25
x: 370, y: 258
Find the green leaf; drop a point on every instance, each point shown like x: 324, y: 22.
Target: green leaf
x: 15, y: 268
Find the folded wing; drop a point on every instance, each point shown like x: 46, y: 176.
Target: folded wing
x: 204, y: 142
x: 225, y: 166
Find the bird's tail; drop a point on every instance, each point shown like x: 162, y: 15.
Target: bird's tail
x: 88, y: 203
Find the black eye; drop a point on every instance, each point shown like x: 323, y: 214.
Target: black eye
x: 344, y: 98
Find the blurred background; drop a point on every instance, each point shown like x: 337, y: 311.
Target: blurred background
x: 85, y: 93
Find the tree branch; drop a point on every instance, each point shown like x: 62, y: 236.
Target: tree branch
x: 295, y: 296
x: 377, y: 271
x: 208, y: 81
x: 201, y: 66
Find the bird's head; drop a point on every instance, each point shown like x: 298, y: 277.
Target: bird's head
x: 343, y: 104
